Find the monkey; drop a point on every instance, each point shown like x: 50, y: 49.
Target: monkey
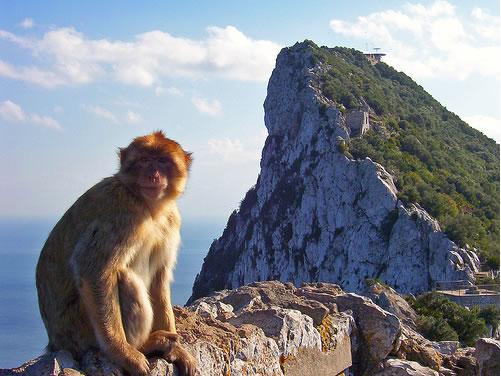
x: 103, y: 276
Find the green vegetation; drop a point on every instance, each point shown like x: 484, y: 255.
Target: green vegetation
x: 443, y: 320
x: 440, y: 162
x: 490, y: 315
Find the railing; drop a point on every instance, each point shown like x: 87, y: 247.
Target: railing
x: 452, y: 285
x: 463, y: 287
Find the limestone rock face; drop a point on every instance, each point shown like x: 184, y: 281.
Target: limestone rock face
x: 317, y: 215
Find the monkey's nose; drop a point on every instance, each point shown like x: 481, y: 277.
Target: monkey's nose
x: 155, y: 178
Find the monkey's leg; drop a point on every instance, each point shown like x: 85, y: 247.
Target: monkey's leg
x: 135, y: 308
x: 164, y: 326
x: 163, y: 315
x: 101, y: 302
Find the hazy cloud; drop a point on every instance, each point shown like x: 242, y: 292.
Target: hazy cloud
x: 235, y: 151
x: 27, y: 23
x: 488, y: 125
x: 31, y: 74
x: 65, y: 56
x: 232, y: 150
x: 101, y: 113
x: 428, y: 41
x: 13, y: 113
x: 206, y: 106
x: 133, y: 117
x: 174, y: 91
x: 44, y: 121
x: 130, y: 117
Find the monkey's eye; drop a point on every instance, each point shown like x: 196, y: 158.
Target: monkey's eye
x: 163, y: 160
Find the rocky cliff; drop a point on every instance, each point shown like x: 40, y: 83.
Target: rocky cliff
x: 275, y: 329
x: 315, y: 213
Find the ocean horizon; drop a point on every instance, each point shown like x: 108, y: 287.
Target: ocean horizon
x: 22, y: 333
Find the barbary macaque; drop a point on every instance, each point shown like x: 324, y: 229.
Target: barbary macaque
x: 104, y: 273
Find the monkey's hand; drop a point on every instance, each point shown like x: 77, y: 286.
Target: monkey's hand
x: 185, y: 362
x: 137, y: 364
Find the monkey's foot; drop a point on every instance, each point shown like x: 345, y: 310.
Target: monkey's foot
x: 160, y: 341
x: 137, y: 364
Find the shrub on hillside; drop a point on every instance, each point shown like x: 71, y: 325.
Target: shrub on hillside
x: 441, y: 319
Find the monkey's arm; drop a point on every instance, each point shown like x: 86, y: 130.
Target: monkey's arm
x: 96, y: 263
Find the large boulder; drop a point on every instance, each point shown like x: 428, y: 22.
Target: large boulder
x: 379, y: 331
x: 398, y: 367
x: 487, y: 354
x: 389, y: 300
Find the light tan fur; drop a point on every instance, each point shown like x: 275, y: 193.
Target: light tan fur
x: 104, y: 273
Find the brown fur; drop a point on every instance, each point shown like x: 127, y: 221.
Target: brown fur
x: 104, y: 273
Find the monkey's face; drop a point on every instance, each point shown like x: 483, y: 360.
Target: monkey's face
x: 155, y: 167
x: 153, y: 176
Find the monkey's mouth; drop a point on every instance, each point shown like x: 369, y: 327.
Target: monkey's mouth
x: 153, y: 191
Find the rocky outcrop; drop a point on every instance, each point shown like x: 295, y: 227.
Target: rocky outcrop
x: 276, y: 329
x: 267, y: 328
x: 317, y: 215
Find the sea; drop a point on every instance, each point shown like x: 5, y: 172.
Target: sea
x: 22, y: 334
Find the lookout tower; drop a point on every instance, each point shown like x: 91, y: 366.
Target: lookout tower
x: 375, y: 56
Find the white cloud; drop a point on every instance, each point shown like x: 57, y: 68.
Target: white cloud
x: 174, y: 91
x: 101, y: 113
x: 133, y: 117
x: 206, y: 106
x: 13, y: 113
x: 66, y: 56
x: 45, y: 121
x: 234, y: 151
x: 27, y: 23
x: 130, y: 117
x: 433, y: 40
x: 31, y: 74
x: 488, y: 125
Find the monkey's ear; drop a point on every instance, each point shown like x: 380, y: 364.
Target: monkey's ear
x: 188, y: 159
x: 122, y: 154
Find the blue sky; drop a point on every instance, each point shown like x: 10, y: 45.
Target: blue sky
x: 80, y: 79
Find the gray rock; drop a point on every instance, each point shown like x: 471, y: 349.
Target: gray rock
x: 290, y: 328
x: 399, y: 367
x: 95, y: 364
x: 379, y: 330
x: 487, y: 354
x: 389, y: 300
x: 446, y: 347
